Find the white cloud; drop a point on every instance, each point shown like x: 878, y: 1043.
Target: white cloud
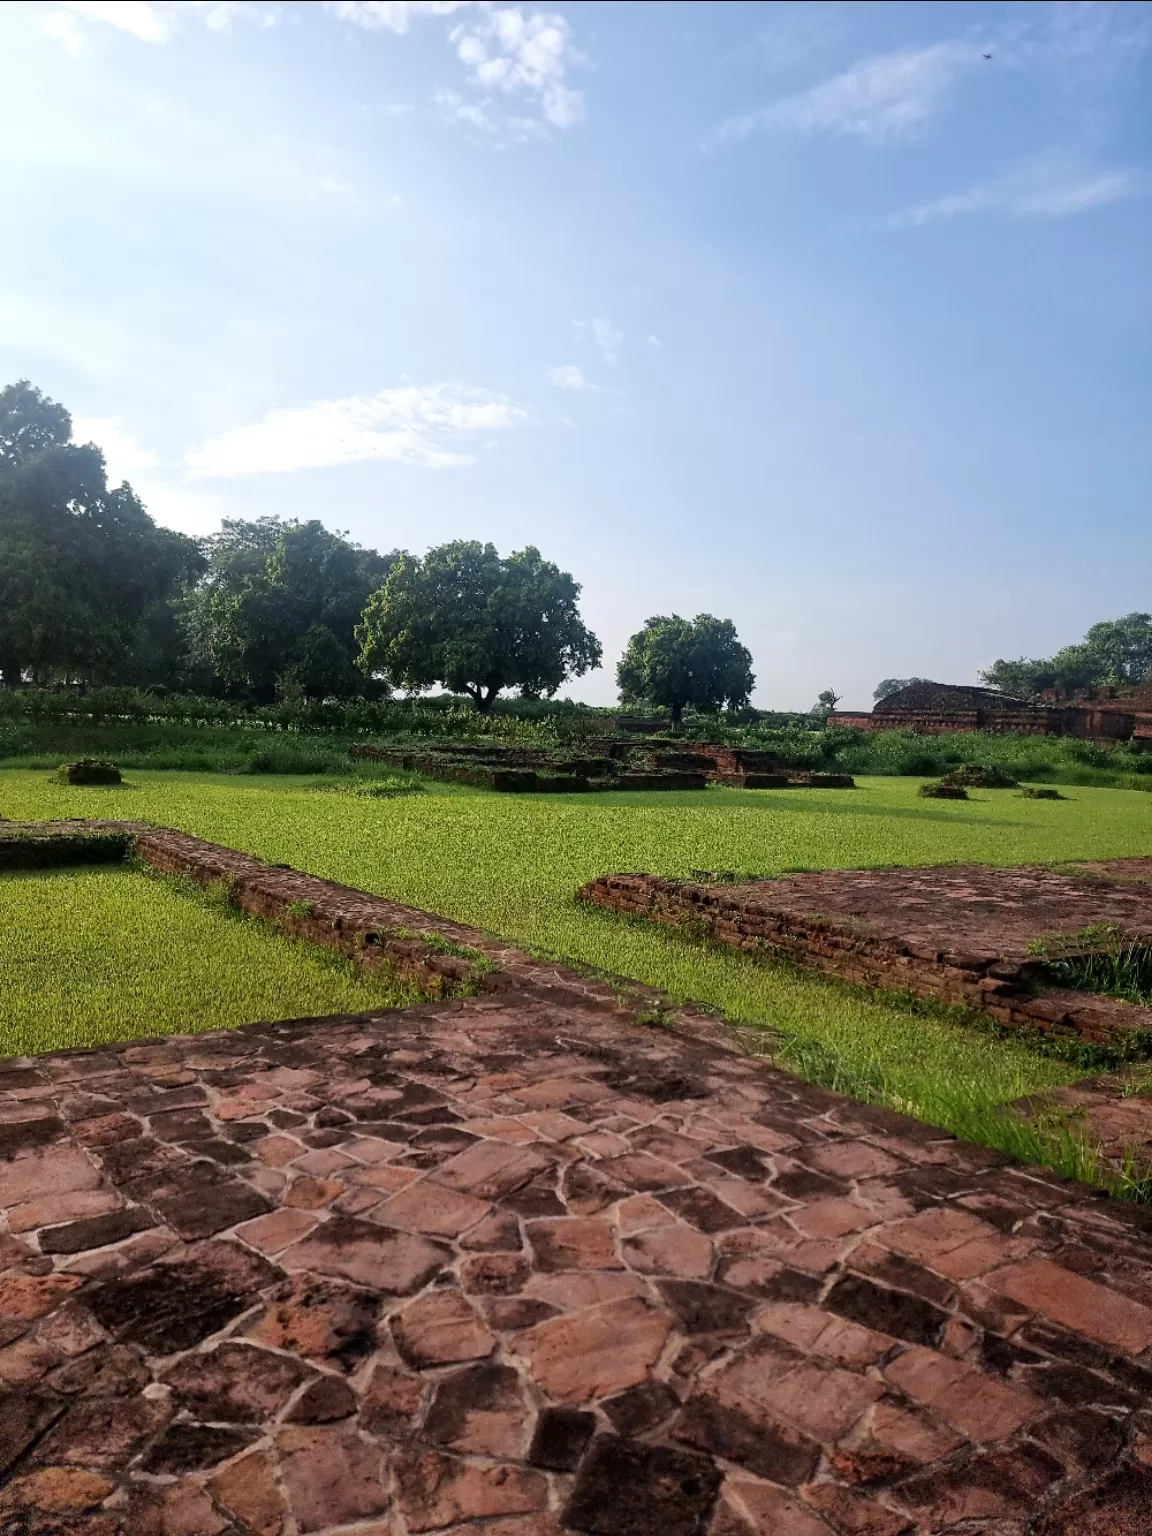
x: 122, y: 453
x: 1048, y: 191
x: 143, y: 21
x: 409, y: 425
x: 62, y: 28
x: 567, y: 377
x: 608, y: 339
x: 522, y: 55
x: 655, y: 343
x: 391, y: 15
x: 506, y: 50
x: 888, y: 96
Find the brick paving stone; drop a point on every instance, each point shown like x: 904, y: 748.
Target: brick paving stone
x: 441, y: 1328
x: 553, y: 1274
x: 977, y: 1405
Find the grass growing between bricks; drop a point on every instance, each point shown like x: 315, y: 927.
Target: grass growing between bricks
x: 94, y: 955
x: 510, y: 864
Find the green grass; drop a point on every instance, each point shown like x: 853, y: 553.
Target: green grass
x: 511, y: 864
x: 95, y: 955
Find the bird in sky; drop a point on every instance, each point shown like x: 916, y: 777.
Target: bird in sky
x: 987, y: 55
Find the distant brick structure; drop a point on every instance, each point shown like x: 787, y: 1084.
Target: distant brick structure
x: 936, y: 708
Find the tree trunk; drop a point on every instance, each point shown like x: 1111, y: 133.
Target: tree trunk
x: 677, y: 711
x: 11, y: 672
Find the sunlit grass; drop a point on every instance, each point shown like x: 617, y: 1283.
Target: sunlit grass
x: 93, y: 955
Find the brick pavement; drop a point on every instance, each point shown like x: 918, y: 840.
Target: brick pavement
x: 516, y: 1265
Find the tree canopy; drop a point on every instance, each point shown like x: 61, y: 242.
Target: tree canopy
x: 674, y: 662
x: 276, y: 610
x: 82, y: 565
x: 1116, y: 652
x: 477, y: 623
x: 893, y: 685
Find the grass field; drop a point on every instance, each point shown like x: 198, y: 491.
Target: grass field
x: 94, y: 955
x: 510, y: 864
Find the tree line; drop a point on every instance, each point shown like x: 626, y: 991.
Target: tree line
x: 93, y: 592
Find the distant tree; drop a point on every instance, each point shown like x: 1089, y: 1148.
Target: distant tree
x: 1117, y: 652
x: 894, y: 685
x: 477, y: 623
x: 277, y: 609
x: 82, y: 565
x: 827, y: 701
x: 674, y: 662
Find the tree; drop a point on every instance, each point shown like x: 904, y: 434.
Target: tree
x: 894, y: 685
x: 277, y: 609
x: 827, y: 701
x: 82, y: 565
x: 477, y: 623
x: 1117, y: 652
x: 673, y: 662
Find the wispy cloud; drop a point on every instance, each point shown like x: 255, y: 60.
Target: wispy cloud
x: 507, y: 51
x: 147, y: 22
x: 392, y: 15
x: 1043, y: 191
x: 567, y: 377
x: 888, y: 96
x: 413, y: 424
x: 608, y: 339
x: 151, y: 23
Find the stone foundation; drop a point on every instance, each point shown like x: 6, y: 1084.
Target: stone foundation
x: 958, y: 936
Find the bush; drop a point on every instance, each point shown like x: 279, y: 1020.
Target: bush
x: 942, y: 791
x: 90, y: 770
x: 978, y: 776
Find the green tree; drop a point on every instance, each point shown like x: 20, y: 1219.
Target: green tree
x: 894, y: 685
x: 477, y: 623
x: 82, y: 565
x: 675, y: 662
x: 827, y: 701
x: 277, y: 609
x: 1116, y: 652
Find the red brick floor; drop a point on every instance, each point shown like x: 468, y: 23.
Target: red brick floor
x: 519, y: 1267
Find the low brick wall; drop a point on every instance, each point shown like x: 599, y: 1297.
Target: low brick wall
x: 441, y: 961
x: 1004, y: 988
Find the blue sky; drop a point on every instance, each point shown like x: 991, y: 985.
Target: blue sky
x: 807, y: 315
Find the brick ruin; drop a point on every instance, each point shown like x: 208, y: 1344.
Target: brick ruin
x: 934, y: 709
x: 601, y: 764
x: 959, y: 935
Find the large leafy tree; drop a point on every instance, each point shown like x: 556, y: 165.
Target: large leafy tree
x: 889, y: 685
x: 477, y: 623
x: 1116, y: 652
x: 276, y: 611
x: 675, y: 662
x: 82, y: 565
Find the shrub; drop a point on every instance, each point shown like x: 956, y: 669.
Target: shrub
x: 90, y: 770
x: 1041, y: 794
x: 980, y: 776
x: 942, y: 791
